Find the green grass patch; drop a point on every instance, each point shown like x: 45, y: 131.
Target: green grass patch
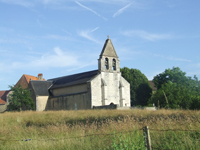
x: 99, y: 129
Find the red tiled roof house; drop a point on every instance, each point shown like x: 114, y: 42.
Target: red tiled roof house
x: 24, y: 82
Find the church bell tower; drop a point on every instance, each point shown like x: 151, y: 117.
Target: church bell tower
x: 108, y: 60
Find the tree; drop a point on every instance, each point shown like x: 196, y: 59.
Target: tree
x: 139, y: 86
x: 20, y: 98
x: 174, y: 75
x: 172, y: 95
x: 176, y: 90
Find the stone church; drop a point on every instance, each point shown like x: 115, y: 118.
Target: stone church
x: 97, y: 88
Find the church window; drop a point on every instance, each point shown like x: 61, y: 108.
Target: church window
x: 114, y: 64
x: 106, y: 64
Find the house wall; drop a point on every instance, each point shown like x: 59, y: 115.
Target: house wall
x: 41, y: 102
x: 22, y: 81
x: 3, y: 107
x: 70, y: 89
x: 69, y: 102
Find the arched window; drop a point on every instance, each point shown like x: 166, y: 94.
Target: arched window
x: 114, y: 64
x: 106, y: 63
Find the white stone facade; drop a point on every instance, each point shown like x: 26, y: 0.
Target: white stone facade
x: 109, y: 88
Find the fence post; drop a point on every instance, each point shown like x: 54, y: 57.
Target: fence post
x: 147, y: 139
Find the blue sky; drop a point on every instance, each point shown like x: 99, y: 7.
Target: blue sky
x: 63, y: 37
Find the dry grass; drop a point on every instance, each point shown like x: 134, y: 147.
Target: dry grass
x: 54, y: 129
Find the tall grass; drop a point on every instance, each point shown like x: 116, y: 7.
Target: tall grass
x: 99, y: 129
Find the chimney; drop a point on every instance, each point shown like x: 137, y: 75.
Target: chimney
x: 40, y: 77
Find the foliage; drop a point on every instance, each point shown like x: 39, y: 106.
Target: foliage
x: 20, y: 99
x: 174, y: 75
x: 139, y: 86
x: 172, y: 95
x: 176, y: 90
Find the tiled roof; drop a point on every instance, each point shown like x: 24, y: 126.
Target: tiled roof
x: 73, y: 79
x: 29, y: 77
x: 25, y: 79
x: 41, y: 87
x: 3, y: 95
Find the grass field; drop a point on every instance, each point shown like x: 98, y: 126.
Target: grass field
x: 99, y: 129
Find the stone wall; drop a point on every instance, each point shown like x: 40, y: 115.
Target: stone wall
x: 3, y: 108
x: 41, y: 102
x: 112, y: 83
x: 74, y: 101
x: 106, y: 89
x: 96, y: 92
x: 111, y: 106
x: 70, y: 89
x: 127, y: 100
x: 145, y: 108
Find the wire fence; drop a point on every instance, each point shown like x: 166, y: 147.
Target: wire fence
x: 145, y: 133
x: 148, y: 139
x: 83, y: 136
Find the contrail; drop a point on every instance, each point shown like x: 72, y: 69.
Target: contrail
x: 121, y: 10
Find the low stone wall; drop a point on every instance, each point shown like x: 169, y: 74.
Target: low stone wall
x: 3, y: 108
x: 113, y: 106
x: 145, y: 108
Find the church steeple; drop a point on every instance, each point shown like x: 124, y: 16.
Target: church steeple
x: 108, y: 59
x: 108, y: 49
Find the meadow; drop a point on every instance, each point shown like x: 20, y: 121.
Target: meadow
x: 99, y: 129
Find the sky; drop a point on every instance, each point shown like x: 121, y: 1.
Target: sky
x: 64, y: 37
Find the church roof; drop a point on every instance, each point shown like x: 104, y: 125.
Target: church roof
x: 75, y: 79
x: 108, y: 49
x: 41, y: 87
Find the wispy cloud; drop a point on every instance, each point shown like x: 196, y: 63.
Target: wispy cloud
x: 57, y: 59
x: 59, y: 37
x: 170, y: 57
x: 90, y: 10
x: 120, y: 11
x: 88, y: 35
x: 82, y: 66
x: 145, y: 35
x: 49, y: 60
x: 18, y: 2
x: 39, y: 23
x: 13, y: 40
x: 66, y: 32
x: 178, y: 59
x: 95, y: 29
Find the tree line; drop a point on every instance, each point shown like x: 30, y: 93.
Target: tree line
x: 174, y: 89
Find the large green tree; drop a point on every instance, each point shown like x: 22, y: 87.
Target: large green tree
x: 174, y: 75
x: 20, y: 99
x: 176, y: 90
x: 139, y: 86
